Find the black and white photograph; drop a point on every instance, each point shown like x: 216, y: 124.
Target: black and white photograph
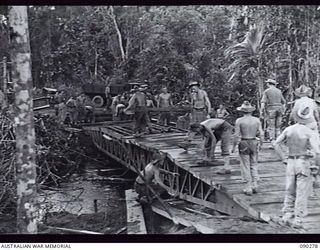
x: 159, y: 120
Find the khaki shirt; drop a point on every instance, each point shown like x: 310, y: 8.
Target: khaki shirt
x: 273, y: 97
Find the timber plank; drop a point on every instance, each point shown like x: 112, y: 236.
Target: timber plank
x: 135, y: 218
x: 165, y: 136
x: 271, y: 185
x: 275, y: 208
x: 235, y: 176
x: 271, y: 168
x: 262, y: 180
x: 220, y: 224
x: 125, y: 130
x: 261, y: 198
x: 119, y: 131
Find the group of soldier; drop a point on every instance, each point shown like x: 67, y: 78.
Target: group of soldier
x: 73, y: 110
x: 301, y: 138
x: 134, y: 105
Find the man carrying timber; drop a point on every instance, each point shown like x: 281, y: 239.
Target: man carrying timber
x: 164, y: 103
x: 304, y: 92
x: 138, y: 103
x: 273, y: 105
x: 247, y: 128
x: 214, y: 130
x: 200, y: 106
x: 298, y: 138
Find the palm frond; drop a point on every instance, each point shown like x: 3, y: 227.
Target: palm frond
x: 249, y: 46
x: 254, y: 38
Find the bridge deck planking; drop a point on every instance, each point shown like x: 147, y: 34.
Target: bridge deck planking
x: 269, y: 200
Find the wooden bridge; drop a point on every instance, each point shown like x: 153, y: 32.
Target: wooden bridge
x: 189, y: 178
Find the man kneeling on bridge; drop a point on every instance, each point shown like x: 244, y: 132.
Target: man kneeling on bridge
x: 298, y: 138
x: 214, y: 130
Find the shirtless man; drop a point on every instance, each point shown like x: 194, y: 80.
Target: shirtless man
x: 247, y: 128
x: 164, y: 102
x: 138, y: 103
x: 200, y: 106
x: 222, y: 112
x: 113, y: 107
x: 298, y: 138
x: 214, y: 130
x: 149, y: 175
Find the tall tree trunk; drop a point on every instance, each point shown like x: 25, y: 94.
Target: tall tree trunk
x: 95, y: 62
x: 290, y: 74
x: 23, y: 122
x: 118, y: 33
x: 260, y: 82
x: 231, y: 30
x: 307, y: 61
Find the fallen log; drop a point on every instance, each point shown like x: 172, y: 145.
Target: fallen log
x: 121, y: 230
x: 69, y: 230
x: 109, y: 179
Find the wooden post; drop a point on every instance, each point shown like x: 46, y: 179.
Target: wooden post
x: 23, y: 122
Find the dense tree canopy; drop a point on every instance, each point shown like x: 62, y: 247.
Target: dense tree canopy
x: 231, y: 50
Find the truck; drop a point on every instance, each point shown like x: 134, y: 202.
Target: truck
x: 96, y: 91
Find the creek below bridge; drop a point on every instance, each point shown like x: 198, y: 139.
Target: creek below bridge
x: 92, y: 199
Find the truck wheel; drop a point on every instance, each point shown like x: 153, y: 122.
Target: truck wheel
x: 98, y: 101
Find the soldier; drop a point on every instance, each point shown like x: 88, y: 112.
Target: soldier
x: 222, y: 112
x: 298, y: 138
x: 304, y: 92
x: 138, y: 103
x: 107, y: 93
x: 247, y: 129
x: 148, y: 176
x: 273, y: 105
x: 200, y: 106
x: 114, y: 104
x: 62, y: 111
x: 214, y: 130
x: 89, y: 110
x: 80, y: 101
x: 164, y: 102
x: 72, y: 110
